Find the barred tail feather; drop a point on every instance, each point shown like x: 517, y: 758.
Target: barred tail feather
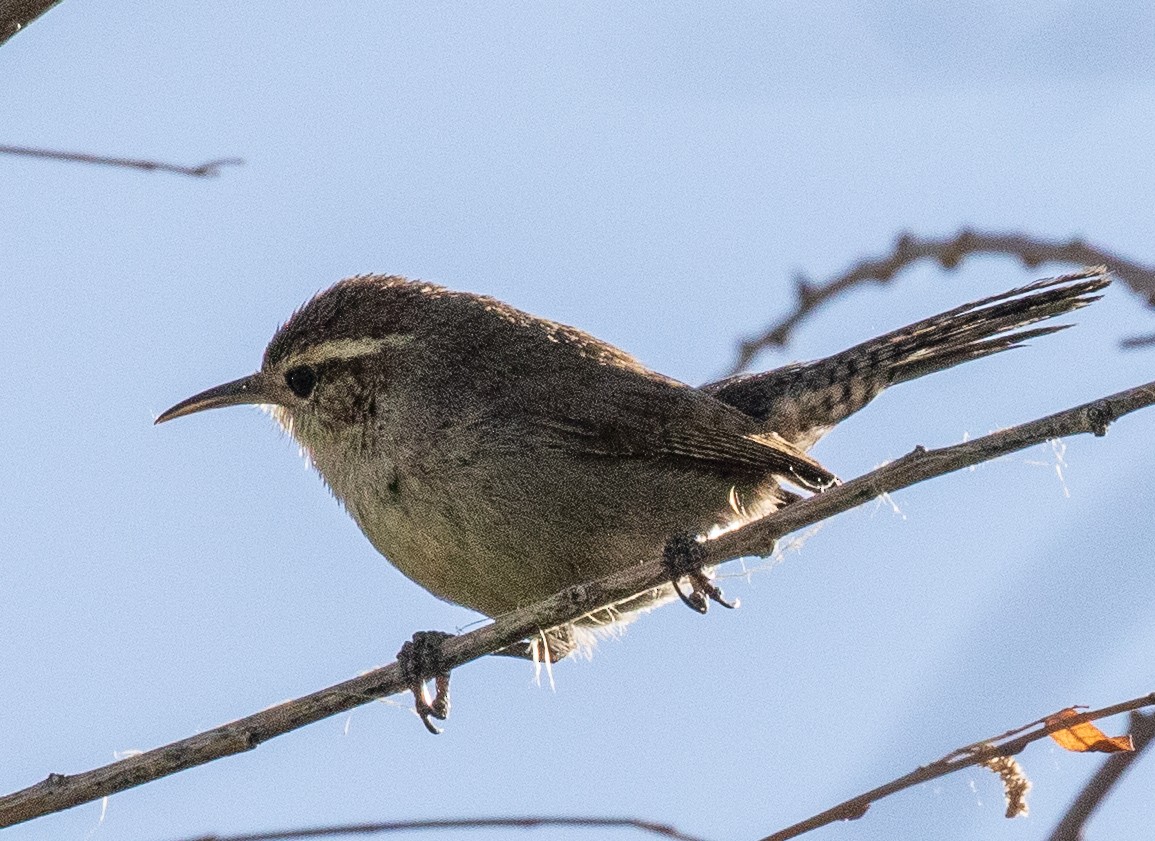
x: 801, y: 402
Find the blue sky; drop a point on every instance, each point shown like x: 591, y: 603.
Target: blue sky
x: 655, y: 175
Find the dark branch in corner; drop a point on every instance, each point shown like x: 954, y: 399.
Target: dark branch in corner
x: 61, y: 791
x: 527, y: 822
x: 1070, y: 828
x: 980, y: 753
x: 17, y: 14
x: 947, y: 252
x: 209, y: 169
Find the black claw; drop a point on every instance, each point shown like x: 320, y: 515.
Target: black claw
x: 702, y: 584
x: 683, y: 558
x: 421, y: 660
x: 694, y: 601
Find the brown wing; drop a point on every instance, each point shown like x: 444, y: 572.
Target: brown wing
x: 660, y: 418
x: 585, y: 397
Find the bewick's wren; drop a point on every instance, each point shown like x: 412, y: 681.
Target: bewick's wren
x: 496, y: 458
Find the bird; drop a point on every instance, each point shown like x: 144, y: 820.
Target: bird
x: 495, y: 457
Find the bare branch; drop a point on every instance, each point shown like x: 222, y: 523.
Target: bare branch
x: 923, y: 464
x: 59, y: 791
x: 17, y: 14
x: 980, y: 753
x: 209, y: 169
x: 528, y: 822
x: 1070, y: 828
x: 1133, y: 342
x: 947, y: 252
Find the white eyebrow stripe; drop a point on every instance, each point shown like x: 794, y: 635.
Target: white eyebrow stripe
x: 346, y: 349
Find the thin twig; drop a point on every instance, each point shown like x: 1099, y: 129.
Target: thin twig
x: 527, y: 822
x: 59, y: 791
x: 17, y: 14
x: 1133, y: 342
x: 1070, y: 828
x: 922, y: 464
x: 976, y: 754
x: 209, y: 169
x: 947, y: 252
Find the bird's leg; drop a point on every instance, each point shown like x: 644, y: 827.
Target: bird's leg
x: 683, y: 558
x: 421, y: 660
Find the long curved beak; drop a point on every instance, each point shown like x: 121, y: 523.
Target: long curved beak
x: 246, y: 390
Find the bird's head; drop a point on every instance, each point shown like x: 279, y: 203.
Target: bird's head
x: 325, y: 374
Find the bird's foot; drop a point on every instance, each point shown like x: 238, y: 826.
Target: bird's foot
x: 683, y: 558
x: 421, y: 660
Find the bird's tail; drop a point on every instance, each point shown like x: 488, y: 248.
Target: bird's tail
x: 801, y: 402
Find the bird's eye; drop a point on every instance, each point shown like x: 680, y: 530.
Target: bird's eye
x: 301, y: 380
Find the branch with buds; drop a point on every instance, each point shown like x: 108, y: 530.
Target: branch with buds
x: 948, y: 252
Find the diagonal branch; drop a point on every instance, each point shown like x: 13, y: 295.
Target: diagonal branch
x: 209, y: 169
x: 17, y: 14
x: 61, y: 791
x: 948, y: 252
x: 1070, y: 828
x: 980, y: 753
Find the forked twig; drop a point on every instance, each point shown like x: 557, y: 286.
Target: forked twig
x: 1070, y: 828
x: 948, y: 252
x: 209, y: 169
x: 980, y: 753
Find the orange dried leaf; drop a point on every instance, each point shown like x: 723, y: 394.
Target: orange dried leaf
x: 1085, y: 737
